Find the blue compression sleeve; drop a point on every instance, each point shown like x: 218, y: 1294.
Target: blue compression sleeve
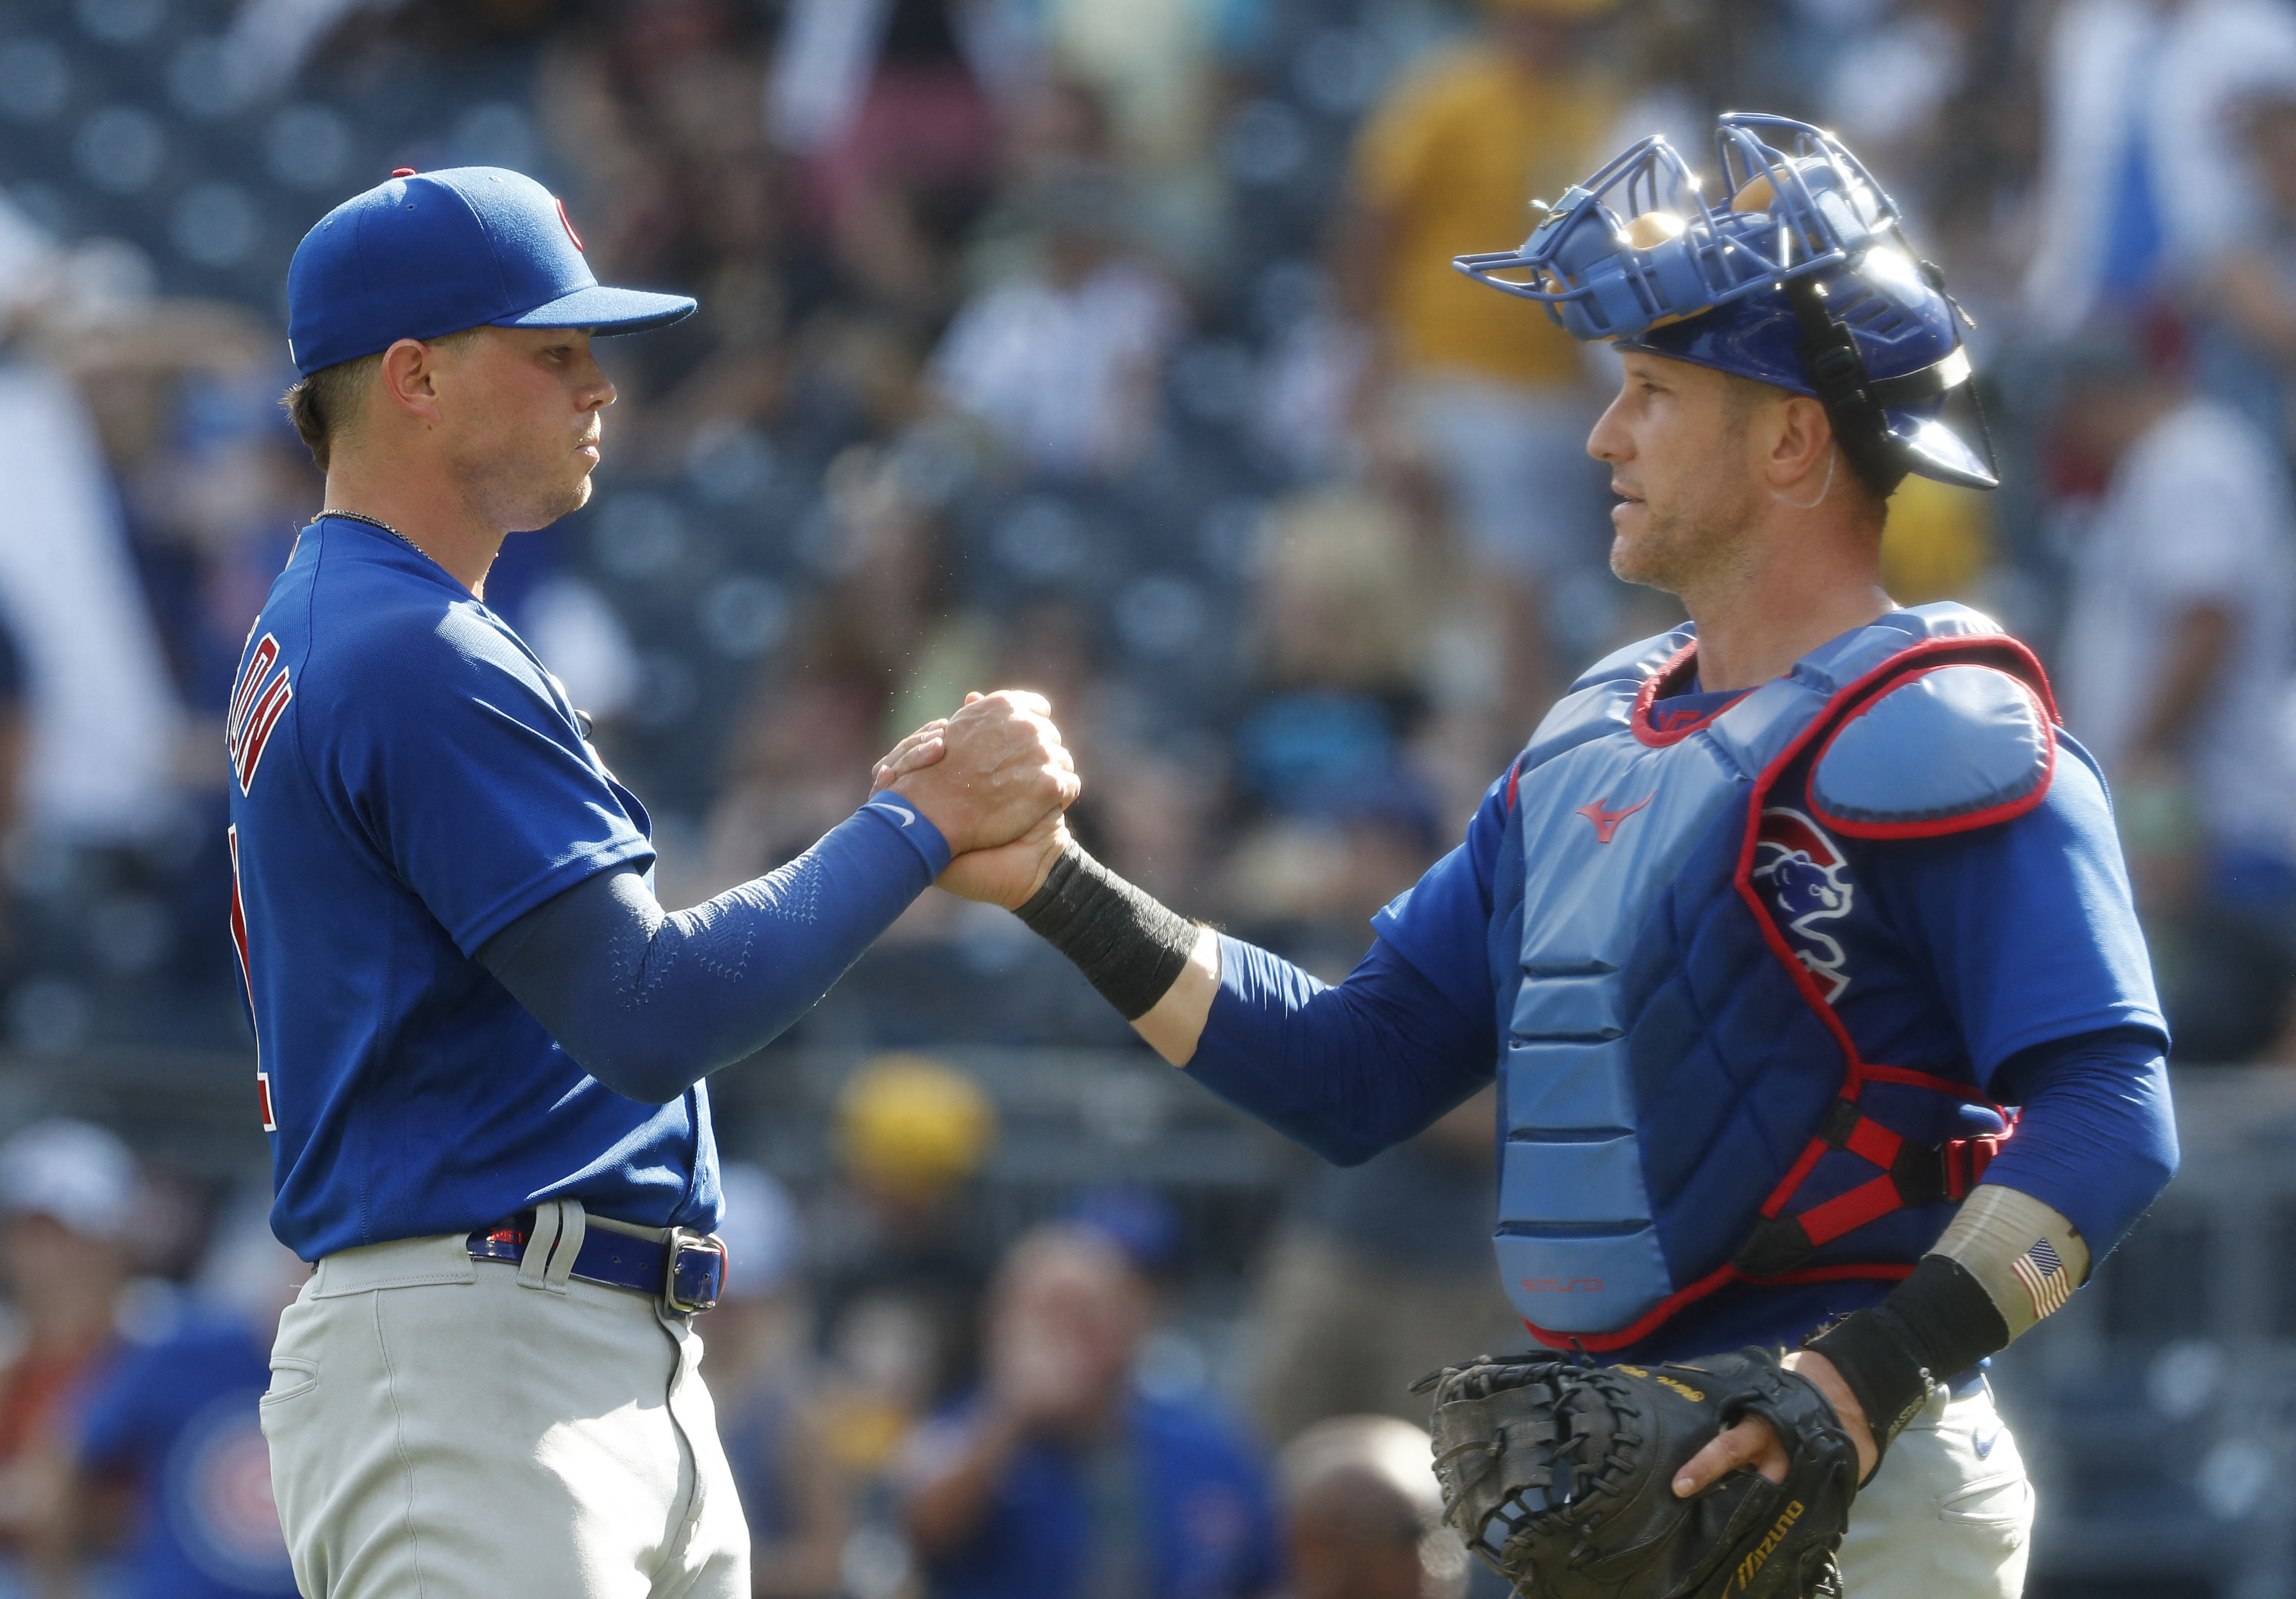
x: 1346, y: 1069
x: 650, y: 1002
x: 2096, y: 1140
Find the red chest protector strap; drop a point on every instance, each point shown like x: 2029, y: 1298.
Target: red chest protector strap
x: 1910, y: 1173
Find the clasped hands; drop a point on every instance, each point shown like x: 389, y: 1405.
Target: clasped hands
x: 997, y: 781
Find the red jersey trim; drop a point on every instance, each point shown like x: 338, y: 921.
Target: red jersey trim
x: 1639, y: 717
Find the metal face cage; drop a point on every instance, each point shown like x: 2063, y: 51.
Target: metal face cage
x: 1640, y: 245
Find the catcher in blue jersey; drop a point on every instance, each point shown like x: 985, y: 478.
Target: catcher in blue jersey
x: 482, y: 1039
x: 1797, y: 939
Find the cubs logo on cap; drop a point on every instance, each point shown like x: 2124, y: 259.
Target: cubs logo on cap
x: 432, y: 253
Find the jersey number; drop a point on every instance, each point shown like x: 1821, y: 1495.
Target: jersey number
x: 247, y: 980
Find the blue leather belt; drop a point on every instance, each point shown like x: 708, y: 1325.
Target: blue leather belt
x: 682, y: 1270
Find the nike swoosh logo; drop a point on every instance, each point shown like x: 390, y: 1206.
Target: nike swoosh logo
x: 1606, y: 822
x: 1983, y: 1443
x: 902, y: 811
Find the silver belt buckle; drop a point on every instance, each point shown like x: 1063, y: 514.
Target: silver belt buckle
x: 693, y: 1272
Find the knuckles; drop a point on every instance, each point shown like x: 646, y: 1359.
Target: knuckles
x: 1008, y: 738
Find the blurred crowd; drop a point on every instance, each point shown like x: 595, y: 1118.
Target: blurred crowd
x: 1112, y: 348
x: 911, y: 1405
x: 1108, y: 348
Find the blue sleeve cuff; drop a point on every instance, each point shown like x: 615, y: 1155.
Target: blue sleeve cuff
x: 920, y: 834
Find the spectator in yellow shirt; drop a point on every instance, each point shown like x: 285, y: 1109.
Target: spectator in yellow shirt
x: 1487, y: 390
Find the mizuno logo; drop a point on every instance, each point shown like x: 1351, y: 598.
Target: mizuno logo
x: 1606, y: 822
x: 902, y: 811
x: 1753, y: 1562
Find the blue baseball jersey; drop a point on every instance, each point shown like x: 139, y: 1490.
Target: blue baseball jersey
x: 408, y: 779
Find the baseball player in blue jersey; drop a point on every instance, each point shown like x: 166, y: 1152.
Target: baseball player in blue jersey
x: 481, y: 1040
x: 1776, y: 915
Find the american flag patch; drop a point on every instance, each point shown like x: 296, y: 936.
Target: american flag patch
x: 2043, y: 1275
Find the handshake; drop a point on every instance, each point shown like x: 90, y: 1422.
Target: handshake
x: 997, y: 781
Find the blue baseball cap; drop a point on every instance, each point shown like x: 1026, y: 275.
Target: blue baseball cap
x: 432, y: 253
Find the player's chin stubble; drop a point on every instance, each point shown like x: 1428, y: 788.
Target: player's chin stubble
x: 1652, y: 555
x: 1697, y: 528
x: 520, y: 498
x: 1682, y: 552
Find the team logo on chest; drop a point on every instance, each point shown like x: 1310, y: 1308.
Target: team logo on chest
x: 1803, y: 874
x: 257, y: 701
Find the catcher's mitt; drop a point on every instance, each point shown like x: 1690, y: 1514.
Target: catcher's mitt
x: 1561, y: 1478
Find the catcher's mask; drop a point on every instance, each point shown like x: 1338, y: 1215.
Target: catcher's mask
x: 1800, y: 277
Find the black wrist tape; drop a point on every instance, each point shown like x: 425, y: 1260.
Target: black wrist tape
x: 1127, y: 946
x: 1949, y: 1315
x: 1936, y: 1323
x: 1876, y: 1358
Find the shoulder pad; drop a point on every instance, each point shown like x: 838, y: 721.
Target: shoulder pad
x: 1941, y: 751
x: 1841, y: 661
x: 1950, y: 619
x: 1636, y: 661
x: 1599, y: 703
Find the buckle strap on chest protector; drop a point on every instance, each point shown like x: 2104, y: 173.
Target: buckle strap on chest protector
x: 1911, y: 1174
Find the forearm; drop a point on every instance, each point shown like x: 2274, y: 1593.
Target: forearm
x: 1156, y: 968
x: 649, y: 1002
x: 1174, y: 1024
x: 1346, y: 1069
x: 2095, y: 1144
x: 2096, y: 1140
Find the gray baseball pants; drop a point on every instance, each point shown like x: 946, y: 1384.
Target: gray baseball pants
x: 452, y: 1429
x: 1950, y: 1512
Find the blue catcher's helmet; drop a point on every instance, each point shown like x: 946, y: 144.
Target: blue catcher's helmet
x: 1800, y: 277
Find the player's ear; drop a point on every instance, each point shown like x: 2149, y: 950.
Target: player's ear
x: 1796, y: 443
x: 407, y: 379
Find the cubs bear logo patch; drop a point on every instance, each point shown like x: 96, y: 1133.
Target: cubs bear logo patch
x: 1802, y: 873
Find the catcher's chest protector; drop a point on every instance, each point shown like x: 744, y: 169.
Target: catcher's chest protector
x: 1680, y: 1106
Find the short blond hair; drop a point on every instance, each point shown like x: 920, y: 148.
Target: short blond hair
x: 327, y: 404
